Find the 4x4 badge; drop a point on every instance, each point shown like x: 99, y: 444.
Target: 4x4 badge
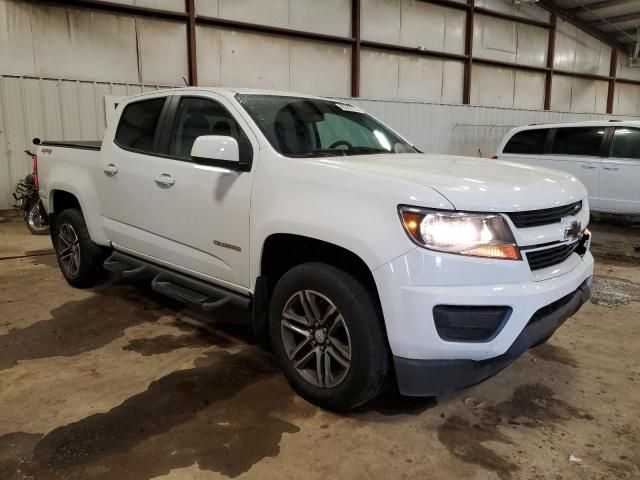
x: 572, y: 232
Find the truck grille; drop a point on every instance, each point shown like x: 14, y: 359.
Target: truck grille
x: 550, y: 256
x: 534, y: 218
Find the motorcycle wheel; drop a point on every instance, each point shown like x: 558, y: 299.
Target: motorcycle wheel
x: 36, y: 220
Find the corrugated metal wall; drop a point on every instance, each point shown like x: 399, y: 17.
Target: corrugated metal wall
x: 49, y: 108
x: 461, y: 129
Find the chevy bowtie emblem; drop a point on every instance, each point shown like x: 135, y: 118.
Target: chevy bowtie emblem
x: 572, y: 232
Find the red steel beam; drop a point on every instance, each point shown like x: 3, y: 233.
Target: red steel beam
x: 355, y: 48
x: 613, y: 67
x: 551, y: 51
x: 192, y: 57
x: 468, y: 51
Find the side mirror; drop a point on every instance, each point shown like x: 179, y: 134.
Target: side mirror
x: 216, y: 150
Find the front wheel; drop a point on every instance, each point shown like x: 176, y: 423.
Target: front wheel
x: 328, y: 336
x: 80, y: 259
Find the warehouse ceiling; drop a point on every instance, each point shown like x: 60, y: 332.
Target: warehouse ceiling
x: 619, y: 20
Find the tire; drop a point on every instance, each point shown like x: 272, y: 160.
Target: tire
x: 353, y: 334
x: 36, y: 221
x: 80, y: 259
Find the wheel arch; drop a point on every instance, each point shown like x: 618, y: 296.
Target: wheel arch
x: 283, y: 251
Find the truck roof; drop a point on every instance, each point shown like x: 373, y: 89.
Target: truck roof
x: 585, y: 123
x: 230, y: 92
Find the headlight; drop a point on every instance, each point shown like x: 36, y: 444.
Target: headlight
x: 475, y: 234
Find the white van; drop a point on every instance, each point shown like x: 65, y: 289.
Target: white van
x: 604, y: 156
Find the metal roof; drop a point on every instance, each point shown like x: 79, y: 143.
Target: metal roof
x: 619, y: 20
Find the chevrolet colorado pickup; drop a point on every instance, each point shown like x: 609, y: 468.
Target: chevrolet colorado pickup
x: 362, y: 260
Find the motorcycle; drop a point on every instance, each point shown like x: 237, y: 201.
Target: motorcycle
x: 29, y: 202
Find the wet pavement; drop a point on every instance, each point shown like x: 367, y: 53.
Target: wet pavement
x: 117, y: 382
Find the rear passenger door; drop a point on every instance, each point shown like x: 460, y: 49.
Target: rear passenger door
x: 620, y: 174
x: 123, y: 175
x: 579, y: 151
x: 203, y: 209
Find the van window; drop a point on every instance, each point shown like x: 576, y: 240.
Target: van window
x: 626, y: 143
x: 201, y: 116
x: 578, y: 141
x: 527, y: 141
x: 138, y: 125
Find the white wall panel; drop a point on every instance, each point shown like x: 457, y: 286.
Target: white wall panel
x: 413, y: 24
x: 171, y: 5
x: 627, y: 99
x: 530, y: 11
x: 332, y: 17
x: 272, y: 12
x: 623, y: 70
x: 16, y: 49
x: 319, y: 68
x: 162, y: 48
x: 240, y: 59
x: 578, y: 94
x: 506, y: 87
x: 576, y: 51
x: 528, y: 90
x: 408, y: 77
x: 506, y: 41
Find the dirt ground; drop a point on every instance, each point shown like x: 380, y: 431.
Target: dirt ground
x: 119, y: 383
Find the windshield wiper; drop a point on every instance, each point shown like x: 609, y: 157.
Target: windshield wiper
x: 366, y: 151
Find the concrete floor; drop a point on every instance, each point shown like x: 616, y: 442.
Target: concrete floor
x: 117, y: 383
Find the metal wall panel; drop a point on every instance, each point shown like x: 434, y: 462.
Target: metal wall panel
x: 507, y: 87
x: 624, y: 71
x: 460, y: 129
x: 240, y: 59
x: 507, y: 41
x: 579, y: 95
x: 171, y: 5
x: 577, y: 51
x: 48, y: 108
x: 413, y: 24
x: 159, y: 41
x: 398, y: 76
x: 627, y: 99
x: 530, y: 11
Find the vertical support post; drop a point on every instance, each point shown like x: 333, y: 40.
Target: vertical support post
x: 355, y: 48
x: 192, y: 59
x: 613, y: 68
x: 468, y: 51
x: 551, y: 52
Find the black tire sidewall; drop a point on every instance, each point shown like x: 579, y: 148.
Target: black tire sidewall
x: 369, y: 361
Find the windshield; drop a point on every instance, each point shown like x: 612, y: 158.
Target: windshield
x: 308, y: 127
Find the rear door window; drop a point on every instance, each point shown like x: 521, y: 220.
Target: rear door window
x: 585, y: 141
x: 626, y: 143
x: 529, y: 142
x: 138, y: 125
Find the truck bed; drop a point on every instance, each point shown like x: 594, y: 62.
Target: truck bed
x: 83, y: 144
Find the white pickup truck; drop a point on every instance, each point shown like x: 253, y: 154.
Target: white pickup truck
x: 363, y: 260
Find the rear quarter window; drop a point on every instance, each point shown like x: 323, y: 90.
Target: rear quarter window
x: 138, y: 124
x: 584, y: 141
x: 529, y: 142
x: 626, y: 143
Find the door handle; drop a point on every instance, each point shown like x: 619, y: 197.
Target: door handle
x: 110, y: 169
x: 589, y: 167
x: 611, y: 168
x: 164, y: 179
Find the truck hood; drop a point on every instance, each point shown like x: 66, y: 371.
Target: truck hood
x: 475, y: 184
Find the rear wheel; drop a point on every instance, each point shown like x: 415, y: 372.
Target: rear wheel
x: 80, y: 259
x: 328, y: 336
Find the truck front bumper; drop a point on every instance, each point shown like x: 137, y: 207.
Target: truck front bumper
x: 417, y: 287
x: 417, y: 377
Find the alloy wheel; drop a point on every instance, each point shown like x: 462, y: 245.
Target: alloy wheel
x: 316, y: 339
x: 69, y: 248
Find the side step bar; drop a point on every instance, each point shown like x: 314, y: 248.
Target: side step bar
x: 178, y: 286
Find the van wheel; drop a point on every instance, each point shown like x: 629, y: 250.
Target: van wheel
x: 328, y: 336
x: 80, y: 259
